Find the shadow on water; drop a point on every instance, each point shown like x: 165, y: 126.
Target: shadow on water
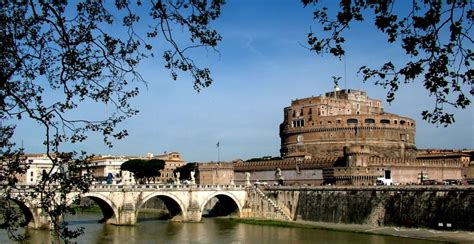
x: 146, y: 217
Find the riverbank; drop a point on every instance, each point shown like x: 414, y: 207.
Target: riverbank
x: 425, y: 234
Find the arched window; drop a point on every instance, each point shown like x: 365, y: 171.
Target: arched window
x: 369, y: 121
x: 385, y: 121
x: 402, y: 122
x: 352, y: 121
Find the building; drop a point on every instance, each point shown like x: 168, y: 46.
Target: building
x: 323, y: 126
x: 294, y: 171
x: 346, y: 138
x: 172, y: 160
x: 215, y: 173
x: 102, y: 166
x: 37, y: 164
x: 465, y: 156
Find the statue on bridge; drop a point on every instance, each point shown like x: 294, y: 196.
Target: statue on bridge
x: 177, y: 178
x: 279, y: 177
x: 193, y: 180
x: 247, y: 176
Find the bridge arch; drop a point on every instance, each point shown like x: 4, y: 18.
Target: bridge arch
x: 107, y: 207
x: 25, y: 208
x: 174, y: 205
x: 226, y: 198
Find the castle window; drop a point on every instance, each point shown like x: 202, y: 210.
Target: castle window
x: 402, y: 122
x: 298, y: 123
x: 338, y: 121
x: 310, y: 111
x: 294, y: 113
x: 352, y: 121
x: 395, y: 122
x: 369, y: 121
x: 385, y: 121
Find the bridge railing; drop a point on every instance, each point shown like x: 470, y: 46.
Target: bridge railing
x: 115, y: 187
x: 163, y: 187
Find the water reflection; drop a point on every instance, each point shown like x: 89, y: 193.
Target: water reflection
x: 209, y: 231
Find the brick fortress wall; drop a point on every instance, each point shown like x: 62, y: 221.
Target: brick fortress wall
x: 322, y: 126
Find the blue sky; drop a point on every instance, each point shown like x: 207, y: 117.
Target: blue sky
x: 261, y: 68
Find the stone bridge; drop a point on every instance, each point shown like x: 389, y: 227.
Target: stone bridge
x: 120, y: 204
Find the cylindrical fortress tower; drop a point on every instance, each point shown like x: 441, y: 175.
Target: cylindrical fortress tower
x: 324, y: 126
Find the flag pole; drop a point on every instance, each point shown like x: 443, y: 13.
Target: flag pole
x: 218, y: 152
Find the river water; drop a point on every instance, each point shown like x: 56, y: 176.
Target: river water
x: 211, y: 230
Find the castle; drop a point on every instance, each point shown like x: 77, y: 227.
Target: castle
x: 323, y: 126
x: 345, y: 138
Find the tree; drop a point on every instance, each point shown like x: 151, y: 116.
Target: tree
x: 144, y: 171
x: 185, y: 171
x: 435, y: 35
x: 57, y: 56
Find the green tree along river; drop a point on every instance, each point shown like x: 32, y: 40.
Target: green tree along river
x: 211, y: 230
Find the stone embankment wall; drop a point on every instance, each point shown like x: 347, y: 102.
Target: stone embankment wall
x: 445, y: 207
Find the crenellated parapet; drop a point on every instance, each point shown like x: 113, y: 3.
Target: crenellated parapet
x: 285, y: 164
x: 397, y: 162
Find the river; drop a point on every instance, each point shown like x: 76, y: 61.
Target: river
x: 211, y: 230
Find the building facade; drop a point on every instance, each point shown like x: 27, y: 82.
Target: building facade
x: 324, y: 126
x: 215, y: 173
x: 346, y: 138
x: 37, y: 164
x: 102, y: 166
x: 172, y: 160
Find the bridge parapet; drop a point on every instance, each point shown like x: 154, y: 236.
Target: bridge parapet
x: 165, y: 187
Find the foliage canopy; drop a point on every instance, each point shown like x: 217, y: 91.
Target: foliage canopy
x: 185, y: 171
x: 57, y: 56
x: 144, y: 171
x: 435, y: 35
